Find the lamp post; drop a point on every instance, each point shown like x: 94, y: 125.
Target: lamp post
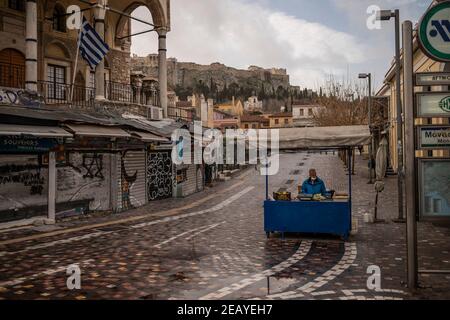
x: 386, y: 15
x: 371, y: 146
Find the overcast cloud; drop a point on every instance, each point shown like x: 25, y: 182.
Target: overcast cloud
x: 310, y: 45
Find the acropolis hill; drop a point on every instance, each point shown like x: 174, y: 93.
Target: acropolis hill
x: 189, y: 74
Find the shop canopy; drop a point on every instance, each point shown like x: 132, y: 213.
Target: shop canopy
x: 148, y: 137
x: 35, y: 131
x: 324, y: 137
x: 87, y: 130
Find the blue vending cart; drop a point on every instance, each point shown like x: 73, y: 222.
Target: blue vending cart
x: 331, y: 216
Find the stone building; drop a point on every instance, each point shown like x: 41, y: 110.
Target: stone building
x: 235, y: 107
x: 224, y: 121
x: 253, y: 104
x: 281, y: 120
x: 254, y: 122
x: 38, y: 51
x: 303, y: 115
x: 105, y: 147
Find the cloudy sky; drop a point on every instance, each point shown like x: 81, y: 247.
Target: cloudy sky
x: 312, y: 39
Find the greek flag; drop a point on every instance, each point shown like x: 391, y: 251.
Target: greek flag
x: 93, y: 49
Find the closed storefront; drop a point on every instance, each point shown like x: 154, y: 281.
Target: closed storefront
x: 190, y: 179
x: 23, y: 187
x: 159, y: 175
x: 131, y: 179
x: 83, y: 183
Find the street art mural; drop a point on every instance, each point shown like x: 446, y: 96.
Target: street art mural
x: 132, y: 180
x: 83, y: 177
x: 27, y: 175
x: 127, y: 181
x: 82, y: 184
x: 23, y: 183
x: 159, y: 176
x: 20, y: 97
x: 93, y: 164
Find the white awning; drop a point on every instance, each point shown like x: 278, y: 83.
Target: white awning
x: 88, y: 130
x: 148, y: 137
x: 35, y: 131
x: 324, y: 137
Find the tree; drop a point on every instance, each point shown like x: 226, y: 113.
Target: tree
x: 262, y: 93
x: 341, y: 105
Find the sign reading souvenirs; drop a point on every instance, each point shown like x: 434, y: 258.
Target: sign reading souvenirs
x: 17, y: 144
x: 434, y: 32
x: 434, y: 137
x: 433, y: 104
x: 433, y: 79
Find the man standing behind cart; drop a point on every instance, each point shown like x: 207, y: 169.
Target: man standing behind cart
x: 314, y: 185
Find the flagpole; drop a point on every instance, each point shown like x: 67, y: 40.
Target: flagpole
x: 75, y: 66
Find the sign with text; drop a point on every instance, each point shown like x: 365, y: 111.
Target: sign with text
x: 434, y: 32
x: 18, y: 144
x: 433, y: 79
x: 433, y: 104
x: 434, y: 137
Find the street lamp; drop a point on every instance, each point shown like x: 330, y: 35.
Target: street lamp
x: 386, y: 15
x: 371, y: 147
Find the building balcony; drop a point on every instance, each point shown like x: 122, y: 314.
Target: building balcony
x: 145, y: 100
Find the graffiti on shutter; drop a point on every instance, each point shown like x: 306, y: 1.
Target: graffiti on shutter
x: 159, y: 175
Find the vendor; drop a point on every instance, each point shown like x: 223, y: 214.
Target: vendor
x: 313, y: 185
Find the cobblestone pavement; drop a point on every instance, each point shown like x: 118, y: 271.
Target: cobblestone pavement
x: 212, y: 246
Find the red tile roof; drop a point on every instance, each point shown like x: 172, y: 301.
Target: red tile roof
x: 281, y: 115
x: 252, y: 118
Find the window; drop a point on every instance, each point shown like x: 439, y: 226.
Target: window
x: 59, y: 18
x: 56, y: 76
x: 18, y: 5
x: 12, y: 69
x: 286, y: 121
x: 253, y: 126
x: 246, y: 126
x: 310, y: 112
x: 277, y: 121
x: 91, y: 83
x: 302, y: 112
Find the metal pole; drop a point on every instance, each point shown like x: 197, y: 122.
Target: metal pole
x: 51, y: 187
x: 410, y: 172
x: 349, y: 152
x: 267, y: 180
x: 371, y: 147
x: 398, y: 100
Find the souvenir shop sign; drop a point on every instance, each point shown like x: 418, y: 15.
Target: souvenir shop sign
x: 18, y: 144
